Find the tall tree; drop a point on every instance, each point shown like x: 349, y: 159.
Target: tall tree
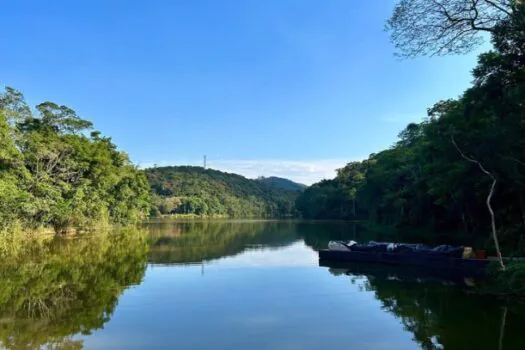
x: 459, y: 175
x: 440, y: 27
x: 53, y: 174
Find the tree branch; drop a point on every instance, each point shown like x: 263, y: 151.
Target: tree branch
x: 442, y: 47
x: 493, y: 4
x: 488, y: 201
x: 512, y: 158
x: 472, y: 160
x: 445, y: 11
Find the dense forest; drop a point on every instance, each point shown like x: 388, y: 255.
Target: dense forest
x: 56, y: 172
x: 279, y: 182
x: 446, y: 174
x: 212, y: 193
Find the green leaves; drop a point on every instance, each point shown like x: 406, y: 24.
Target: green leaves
x: 61, y: 118
x: 53, y: 175
x: 196, y: 191
x: 423, y: 182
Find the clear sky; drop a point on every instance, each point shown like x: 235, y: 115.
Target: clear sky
x: 292, y: 88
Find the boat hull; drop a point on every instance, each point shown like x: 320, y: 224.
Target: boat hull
x: 467, y: 267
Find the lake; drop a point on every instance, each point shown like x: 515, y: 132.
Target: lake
x: 235, y: 285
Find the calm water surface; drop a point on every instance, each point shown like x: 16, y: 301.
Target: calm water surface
x: 235, y: 285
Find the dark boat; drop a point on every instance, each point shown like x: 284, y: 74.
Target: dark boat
x: 431, y: 258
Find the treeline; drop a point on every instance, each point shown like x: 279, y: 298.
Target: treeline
x: 279, y: 182
x: 56, y: 172
x: 438, y: 176
x: 207, y: 192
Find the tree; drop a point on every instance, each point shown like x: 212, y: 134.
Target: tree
x: 54, y: 175
x: 489, y: 201
x: 441, y: 27
x: 13, y: 105
x: 61, y: 118
x: 198, y: 191
x: 428, y: 186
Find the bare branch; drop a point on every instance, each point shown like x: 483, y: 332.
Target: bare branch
x: 500, y: 8
x: 472, y: 160
x: 512, y: 158
x: 437, y: 27
x: 488, y: 201
x: 445, y: 45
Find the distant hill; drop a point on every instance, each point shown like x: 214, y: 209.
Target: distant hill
x: 208, y: 192
x: 281, y: 183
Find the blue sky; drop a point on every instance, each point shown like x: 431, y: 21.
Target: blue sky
x: 292, y: 88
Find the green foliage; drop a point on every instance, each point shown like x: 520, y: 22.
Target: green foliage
x: 279, y: 182
x: 335, y: 199
x: 510, y: 281
x: 53, y: 175
x: 424, y: 182
x: 212, y: 193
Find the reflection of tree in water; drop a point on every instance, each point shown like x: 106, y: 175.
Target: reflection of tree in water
x: 187, y: 242
x: 441, y: 316
x: 194, y: 241
x: 66, y: 287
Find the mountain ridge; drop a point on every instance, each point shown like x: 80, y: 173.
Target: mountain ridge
x: 282, y: 183
x: 210, y: 192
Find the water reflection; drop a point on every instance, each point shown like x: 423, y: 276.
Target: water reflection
x: 57, y: 289
x: 73, y: 293
x: 317, y: 234
x: 173, y: 242
x: 438, y: 313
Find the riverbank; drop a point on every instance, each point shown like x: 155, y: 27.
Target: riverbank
x: 190, y: 217
x: 508, y: 283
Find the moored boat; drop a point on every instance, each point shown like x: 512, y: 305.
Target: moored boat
x: 458, y: 259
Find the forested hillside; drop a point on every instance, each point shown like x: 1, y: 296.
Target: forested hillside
x: 279, y: 182
x: 439, y: 175
x: 56, y: 172
x: 208, y: 192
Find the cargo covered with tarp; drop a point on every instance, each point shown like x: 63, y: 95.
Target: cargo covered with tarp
x: 454, y: 260
x: 399, y: 248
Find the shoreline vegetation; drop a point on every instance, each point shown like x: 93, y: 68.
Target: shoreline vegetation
x: 190, y: 217
x: 57, y: 172
x: 457, y: 177
x: 197, y: 192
